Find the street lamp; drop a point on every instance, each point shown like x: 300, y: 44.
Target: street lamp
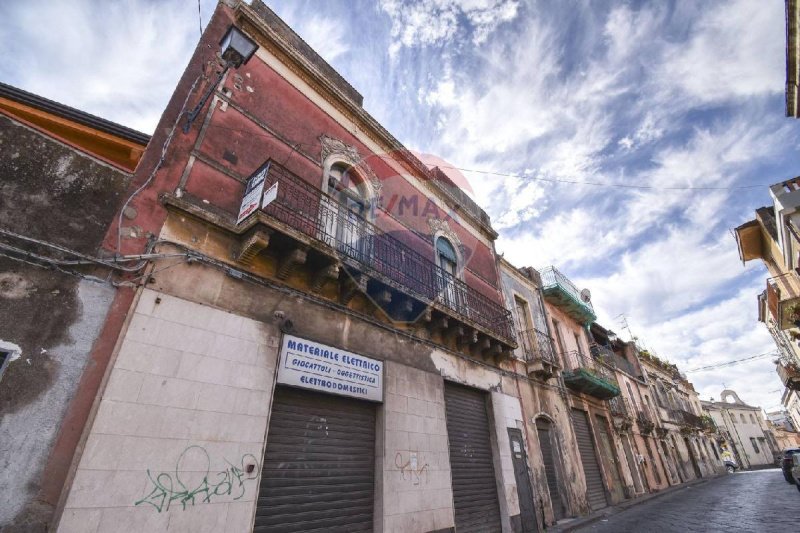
x: 236, y: 49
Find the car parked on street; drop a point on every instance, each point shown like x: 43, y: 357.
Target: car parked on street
x: 787, y: 464
x: 796, y: 470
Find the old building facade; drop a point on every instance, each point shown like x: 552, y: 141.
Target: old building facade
x: 744, y: 430
x: 64, y: 173
x: 297, y: 325
x: 683, y: 434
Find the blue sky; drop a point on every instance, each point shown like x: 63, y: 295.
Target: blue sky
x: 655, y: 93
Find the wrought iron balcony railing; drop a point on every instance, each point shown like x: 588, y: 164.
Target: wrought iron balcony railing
x: 536, y: 345
x: 614, y: 359
x: 619, y: 407
x: 558, y: 289
x: 365, y: 247
x: 645, y: 422
x: 683, y: 417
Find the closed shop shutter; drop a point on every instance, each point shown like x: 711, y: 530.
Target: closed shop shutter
x: 609, y: 462
x: 543, y: 428
x: 595, y: 492
x: 471, y: 464
x: 318, y: 472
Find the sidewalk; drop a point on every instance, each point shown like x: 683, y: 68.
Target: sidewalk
x: 576, y: 523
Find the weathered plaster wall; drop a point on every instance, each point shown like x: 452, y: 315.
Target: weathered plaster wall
x: 36, y: 390
x: 52, y: 192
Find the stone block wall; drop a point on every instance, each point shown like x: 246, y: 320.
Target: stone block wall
x: 178, y: 438
x: 416, y: 489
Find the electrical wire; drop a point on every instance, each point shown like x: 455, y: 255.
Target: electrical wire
x: 527, y: 176
x: 158, y: 165
x: 733, y: 363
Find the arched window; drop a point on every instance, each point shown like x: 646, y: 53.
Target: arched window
x: 446, y: 256
x: 741, y: 415
x: 342, y: 220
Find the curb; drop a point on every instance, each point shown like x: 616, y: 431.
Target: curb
x: 623, y: 506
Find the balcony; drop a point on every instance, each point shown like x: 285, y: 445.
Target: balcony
x: 560, y: 291
x: 783, y: 305
x: 789, y: 374
x: 537, y: 349
x: 645, y: 422
x: 687, y: 419
x: 614, y: 359
x: 590, y: 376
x: 621, y: 413
x: 305, y: 226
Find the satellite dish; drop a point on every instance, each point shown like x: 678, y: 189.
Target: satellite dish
x: 586, y: 296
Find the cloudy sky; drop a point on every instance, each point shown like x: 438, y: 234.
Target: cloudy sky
x: 654, y: 94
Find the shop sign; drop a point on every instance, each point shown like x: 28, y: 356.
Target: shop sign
x: 316, y: 366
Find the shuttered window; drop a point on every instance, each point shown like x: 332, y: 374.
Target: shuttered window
x: 471, y: 464
x: 318, y: 472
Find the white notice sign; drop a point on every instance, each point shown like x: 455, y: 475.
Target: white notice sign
x: 319, y: 367
x: 252, y: 194
x: 270, y: 195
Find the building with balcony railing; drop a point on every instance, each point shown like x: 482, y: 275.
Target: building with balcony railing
x: 559, y: 290
x: 773, y: 236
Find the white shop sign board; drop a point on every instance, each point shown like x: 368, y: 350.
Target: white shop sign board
x: 252, y: 194
x: 312, y: 365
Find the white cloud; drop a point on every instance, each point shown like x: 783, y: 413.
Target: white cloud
x: 437, y: 22
x: 735, y: 51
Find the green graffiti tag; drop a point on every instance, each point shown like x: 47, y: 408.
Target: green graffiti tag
x: 192, y: 481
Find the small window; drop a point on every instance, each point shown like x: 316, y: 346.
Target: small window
x: 754, y: 444
x: 741, y: 416
x: 752, y: 418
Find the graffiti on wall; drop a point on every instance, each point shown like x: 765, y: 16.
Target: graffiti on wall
x: 192, y: 481
x: 411, y: 470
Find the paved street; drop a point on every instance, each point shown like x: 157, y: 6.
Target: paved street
x: 759, y: 501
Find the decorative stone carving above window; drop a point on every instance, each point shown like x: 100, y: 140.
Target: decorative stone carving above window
x: 440, y: 228
x: 349, y: 155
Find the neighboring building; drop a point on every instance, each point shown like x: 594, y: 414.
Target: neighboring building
x: 681, y: 429
x: 590, y: 383
x: 781, y: 419
x: 773, y: 236
x: 791, y: 401
x: 744, y: 430
x: 557, y: 467
x: 784, y: 438
x: 64, y: 176
x: 632, y: 412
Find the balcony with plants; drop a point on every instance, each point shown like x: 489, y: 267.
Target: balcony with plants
x: 345, y: 255
x: 560, y: 291
x: 783, y: 304
x: 589, y: 375
x: 538, y: 350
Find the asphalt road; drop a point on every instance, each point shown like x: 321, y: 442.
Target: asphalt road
x: 758, y: 501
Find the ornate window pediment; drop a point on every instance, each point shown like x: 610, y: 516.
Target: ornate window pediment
x: 335, y: 149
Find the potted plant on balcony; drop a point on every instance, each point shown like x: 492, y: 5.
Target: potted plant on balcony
x: 793, y: 314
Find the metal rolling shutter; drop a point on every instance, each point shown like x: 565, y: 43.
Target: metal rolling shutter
x: 318, y: 472
x: 595, y: 492
x: 546, y: 445
x: 471, y: 464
